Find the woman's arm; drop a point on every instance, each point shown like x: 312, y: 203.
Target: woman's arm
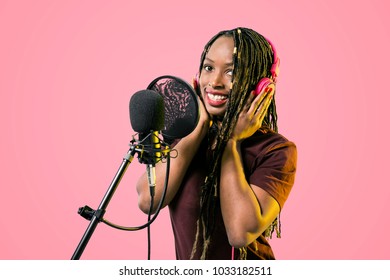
x: 247, y: 210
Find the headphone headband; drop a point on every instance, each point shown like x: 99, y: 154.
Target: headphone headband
x: 275, y: 65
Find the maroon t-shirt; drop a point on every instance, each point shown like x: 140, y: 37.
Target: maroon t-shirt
x: 269, y: 163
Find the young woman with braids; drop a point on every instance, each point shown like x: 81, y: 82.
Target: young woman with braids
x: 234, y: 172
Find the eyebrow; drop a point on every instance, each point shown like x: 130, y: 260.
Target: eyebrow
x: 212, y: 61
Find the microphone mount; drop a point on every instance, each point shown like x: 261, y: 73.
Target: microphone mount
x: 150, y: 149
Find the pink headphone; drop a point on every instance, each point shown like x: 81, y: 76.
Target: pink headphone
x: 264, y: 83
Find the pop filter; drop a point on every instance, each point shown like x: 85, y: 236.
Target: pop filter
x: 181, y: 106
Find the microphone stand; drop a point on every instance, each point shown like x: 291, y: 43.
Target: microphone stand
x: 97, y: 216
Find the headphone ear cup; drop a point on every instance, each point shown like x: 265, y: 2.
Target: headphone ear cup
x: 195, y: 81
x: 262, y: 85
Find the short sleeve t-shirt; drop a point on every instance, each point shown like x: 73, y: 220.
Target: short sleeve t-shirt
x: 269, y: 162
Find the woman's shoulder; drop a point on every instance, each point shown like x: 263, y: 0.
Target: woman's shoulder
x: 266, y: 140
x: 270, y: 147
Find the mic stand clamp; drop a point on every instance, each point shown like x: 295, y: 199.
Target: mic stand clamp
x: 86, y: 212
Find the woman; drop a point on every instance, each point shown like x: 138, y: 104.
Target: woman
x: 234, y: 172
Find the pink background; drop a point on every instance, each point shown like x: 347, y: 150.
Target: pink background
x: 68, y: 69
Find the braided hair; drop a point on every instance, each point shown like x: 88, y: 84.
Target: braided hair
x: 252, y: 60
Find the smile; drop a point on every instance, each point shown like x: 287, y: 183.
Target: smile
x: 216, y: 100
x: 216, y: 97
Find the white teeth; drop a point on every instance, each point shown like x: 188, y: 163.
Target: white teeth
x: 216, y: 97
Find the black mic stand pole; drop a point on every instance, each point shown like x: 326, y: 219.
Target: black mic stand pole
x: 99, y: 213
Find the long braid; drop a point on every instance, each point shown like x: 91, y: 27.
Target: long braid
x: 252, y: 60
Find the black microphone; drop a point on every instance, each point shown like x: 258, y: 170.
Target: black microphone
x: 147, y: 118
x: 146, y: 111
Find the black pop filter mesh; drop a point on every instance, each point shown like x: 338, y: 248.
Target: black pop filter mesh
x: 181, y: 106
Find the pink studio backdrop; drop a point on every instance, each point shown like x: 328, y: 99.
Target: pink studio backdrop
x: 68, y: 69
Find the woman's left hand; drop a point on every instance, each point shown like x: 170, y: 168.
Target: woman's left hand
x: 252, y: 115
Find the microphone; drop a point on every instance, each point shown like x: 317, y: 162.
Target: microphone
x: 147, y: 118
x: 146, y: 111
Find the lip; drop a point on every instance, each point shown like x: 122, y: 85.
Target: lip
x: 216, y: 103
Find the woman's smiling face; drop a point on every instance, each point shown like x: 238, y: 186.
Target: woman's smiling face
x: 216, y: 75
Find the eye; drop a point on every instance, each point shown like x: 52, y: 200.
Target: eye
x: 229, y: 72
x: 208, y: 68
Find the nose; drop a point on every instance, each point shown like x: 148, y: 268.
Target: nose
x: 216, y: 80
